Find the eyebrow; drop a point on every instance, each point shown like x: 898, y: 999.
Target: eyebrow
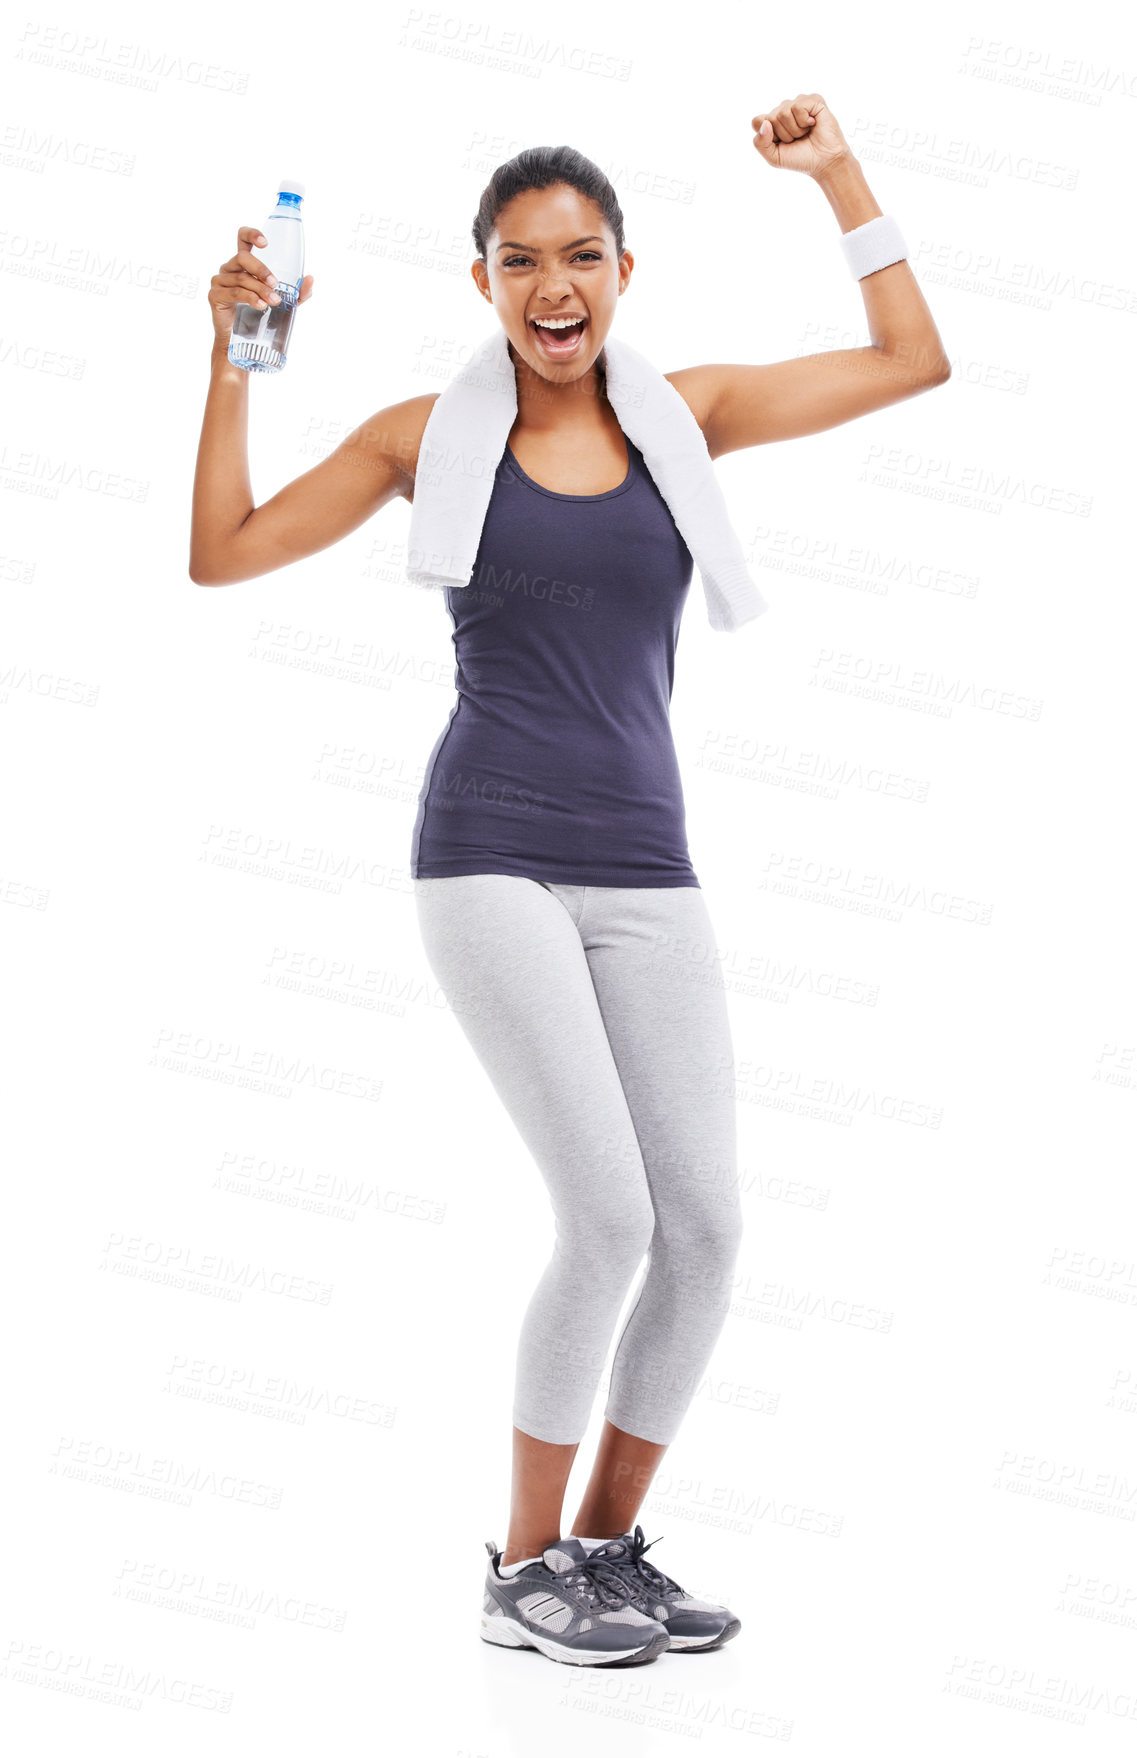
x: 593, y: 237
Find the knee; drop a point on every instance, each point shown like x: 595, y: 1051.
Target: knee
x: 719, y: 1234
x: 704, y: 1240
x: 610, y: 1239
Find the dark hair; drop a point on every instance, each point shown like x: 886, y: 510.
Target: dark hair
x: 539, y: 168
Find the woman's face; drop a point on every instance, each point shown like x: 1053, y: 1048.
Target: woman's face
x: 552, y: 255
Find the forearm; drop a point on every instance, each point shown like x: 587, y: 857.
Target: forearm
x: 222, y: 491
x: 900, y: 324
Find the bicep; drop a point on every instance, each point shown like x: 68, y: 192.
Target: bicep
x: 738, y: 406
x: 373, y: 465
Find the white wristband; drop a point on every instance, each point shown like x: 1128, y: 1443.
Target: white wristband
x: 873, y: 246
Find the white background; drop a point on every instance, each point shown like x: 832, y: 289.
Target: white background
x: 260, y: 1342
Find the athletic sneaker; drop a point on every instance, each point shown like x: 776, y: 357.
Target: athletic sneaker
x: 692, y: 1624
x: 569, y: 1606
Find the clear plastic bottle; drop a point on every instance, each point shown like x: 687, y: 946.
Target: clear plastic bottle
x: 259, y: 340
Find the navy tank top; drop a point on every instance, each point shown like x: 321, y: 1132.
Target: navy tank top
x: 557, y: 762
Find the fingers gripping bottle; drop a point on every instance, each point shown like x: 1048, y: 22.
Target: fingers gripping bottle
x: 258, y: 340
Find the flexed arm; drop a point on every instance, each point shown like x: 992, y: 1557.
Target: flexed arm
x: 232, y: 539
x: 738, y: 406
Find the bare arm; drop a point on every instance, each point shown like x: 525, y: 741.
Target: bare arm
x: 739, y: 406
x: 234, y: 540
x: 230, y: 538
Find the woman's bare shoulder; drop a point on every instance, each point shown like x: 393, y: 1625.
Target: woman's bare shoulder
x: 695, y: 386
x: 395, y: 435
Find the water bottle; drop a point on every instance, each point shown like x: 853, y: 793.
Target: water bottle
x: 258, y: 341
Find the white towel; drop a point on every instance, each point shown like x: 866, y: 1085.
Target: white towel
x: 465, y: 437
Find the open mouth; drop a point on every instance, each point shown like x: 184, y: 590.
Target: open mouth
x: 560, y: 344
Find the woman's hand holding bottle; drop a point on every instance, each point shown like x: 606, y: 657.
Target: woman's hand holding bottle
x: 244, y: 280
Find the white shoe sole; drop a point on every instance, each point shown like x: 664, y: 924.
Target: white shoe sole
x: 506, y: 1633
x: 695, y: 1644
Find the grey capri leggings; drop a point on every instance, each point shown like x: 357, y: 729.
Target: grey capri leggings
x: 598, y: 1014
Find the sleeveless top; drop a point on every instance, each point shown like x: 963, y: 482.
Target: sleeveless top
x: 557, y: 762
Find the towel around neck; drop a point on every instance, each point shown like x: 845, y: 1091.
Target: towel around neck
x: 465, y: 437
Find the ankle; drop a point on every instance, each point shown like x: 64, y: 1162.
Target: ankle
x: 513, y: 1553
x: 599, y: 1529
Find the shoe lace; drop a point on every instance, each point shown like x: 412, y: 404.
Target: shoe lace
x: 653, y: 1580
x: 600, y: 1581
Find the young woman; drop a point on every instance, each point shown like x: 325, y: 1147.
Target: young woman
x: 554, y: 888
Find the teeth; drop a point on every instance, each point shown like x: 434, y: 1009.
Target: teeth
x: 557, y: 323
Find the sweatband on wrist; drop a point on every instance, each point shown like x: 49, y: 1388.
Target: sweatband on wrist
x: 873, y: 246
